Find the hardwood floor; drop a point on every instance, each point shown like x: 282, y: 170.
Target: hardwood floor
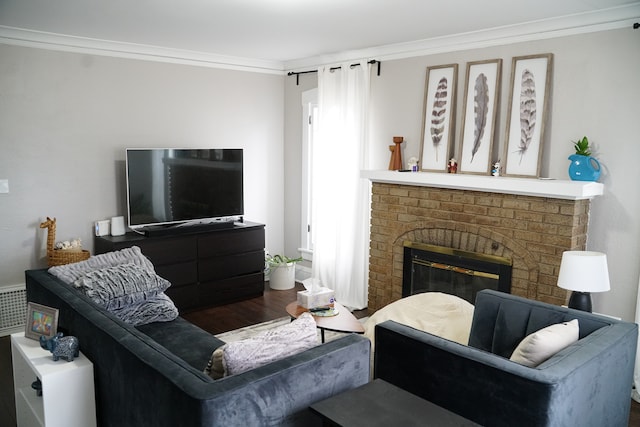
x: 7, y: 400
x: 228, y: 317
x: 215, y: 320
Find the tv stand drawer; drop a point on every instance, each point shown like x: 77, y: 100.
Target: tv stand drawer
x: 224, y: 267
x: 231, y: 242
x: 205, y: 268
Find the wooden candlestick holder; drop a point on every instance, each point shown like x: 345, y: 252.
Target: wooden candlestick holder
x: 396, y: 154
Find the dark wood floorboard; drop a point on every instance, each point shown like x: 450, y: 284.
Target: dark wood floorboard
x: 270, y: 306
x: 215, y: 320
x: 634, y: 415
x: 7, y: 401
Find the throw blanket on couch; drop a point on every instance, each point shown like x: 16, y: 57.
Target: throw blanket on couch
x: 444, y: 315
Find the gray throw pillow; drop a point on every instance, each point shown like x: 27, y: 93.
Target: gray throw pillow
x: 158, y: 308
x: 121, y: 285
x: 69, y: 273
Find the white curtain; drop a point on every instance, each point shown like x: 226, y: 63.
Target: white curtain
x: 636, y: 375
x: 340, y: 196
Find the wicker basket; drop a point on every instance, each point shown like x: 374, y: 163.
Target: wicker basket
x: 60, y: 256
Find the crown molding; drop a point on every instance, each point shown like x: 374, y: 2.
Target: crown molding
x: 601, y: 20
x: 60, y: 42
x: 589, y: 22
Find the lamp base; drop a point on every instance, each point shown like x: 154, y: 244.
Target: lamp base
x: 580, y: 301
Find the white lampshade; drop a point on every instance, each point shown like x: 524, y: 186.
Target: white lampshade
x: 584, y: 271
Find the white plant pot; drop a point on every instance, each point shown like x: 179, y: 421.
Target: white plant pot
x: 283, y: 277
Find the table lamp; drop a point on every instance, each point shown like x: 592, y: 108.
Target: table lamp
x: 583, y: 272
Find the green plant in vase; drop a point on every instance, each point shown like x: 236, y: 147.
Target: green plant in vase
x: 282, y: 271
x: 582, y: 146
x: 583, y: 167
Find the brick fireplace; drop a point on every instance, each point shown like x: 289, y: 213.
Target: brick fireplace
x: 529, y: 221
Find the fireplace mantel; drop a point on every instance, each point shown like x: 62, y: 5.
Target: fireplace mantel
x: 553, y: 188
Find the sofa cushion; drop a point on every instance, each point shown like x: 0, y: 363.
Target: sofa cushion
x: 541, y: 345
x: 119, y: 286
x: 184, y: 339
x: 265, y: 347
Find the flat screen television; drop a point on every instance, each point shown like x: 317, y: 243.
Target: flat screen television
x: 172, y: 186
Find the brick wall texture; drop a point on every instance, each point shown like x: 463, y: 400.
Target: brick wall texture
x: 531, y: 231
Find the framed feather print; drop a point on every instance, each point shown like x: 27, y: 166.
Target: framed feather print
x: 481, y: 99
x: 530, y: 84
x: 439, y: 117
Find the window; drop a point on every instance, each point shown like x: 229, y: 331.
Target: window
x: 309, y: 117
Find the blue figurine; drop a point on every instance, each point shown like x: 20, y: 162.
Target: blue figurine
x: 61, y: 347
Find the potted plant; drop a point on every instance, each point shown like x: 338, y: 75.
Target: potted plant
x: 282, y: 271
x: 583, y: 167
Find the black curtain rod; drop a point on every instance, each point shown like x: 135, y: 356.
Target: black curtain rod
x: 297, y: 73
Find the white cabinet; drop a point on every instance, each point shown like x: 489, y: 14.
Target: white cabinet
x: 67, y: 387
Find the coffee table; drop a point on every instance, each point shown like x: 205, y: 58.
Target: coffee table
x: 380, y: 403
x: 344, y: 321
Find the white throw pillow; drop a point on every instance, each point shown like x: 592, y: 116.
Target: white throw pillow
x: 541, y: 345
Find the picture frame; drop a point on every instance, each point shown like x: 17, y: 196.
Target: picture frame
x: 527, y: 114
x: 438, y: 125
x: 41, y: 320
x: 481, y: 103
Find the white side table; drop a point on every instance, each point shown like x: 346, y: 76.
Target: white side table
x: 68, y: 397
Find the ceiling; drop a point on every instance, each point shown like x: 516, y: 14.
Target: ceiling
x: 286, y: 31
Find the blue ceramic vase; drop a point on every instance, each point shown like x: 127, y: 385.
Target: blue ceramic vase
x: 584, y: 168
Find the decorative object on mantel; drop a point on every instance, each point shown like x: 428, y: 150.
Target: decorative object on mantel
x: 64, y: 252
x: 583, y: 167
x: 528, y: 106
x: 438, y: 118
x: 480, y: 110
x: 583, y: 272
x: 395, y: 164
x: 495, y: 169
x: 413, y: 164
x: 452, y: 165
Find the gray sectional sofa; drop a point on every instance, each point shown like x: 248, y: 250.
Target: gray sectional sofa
x: 586, y: 384
x: 152, y: 375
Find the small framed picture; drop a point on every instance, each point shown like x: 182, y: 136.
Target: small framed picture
x: 41, y: 320
x: 438, y: 117
x: 481, y: 100
x: 528, y: 105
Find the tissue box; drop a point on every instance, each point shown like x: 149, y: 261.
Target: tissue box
x: 321, y: 297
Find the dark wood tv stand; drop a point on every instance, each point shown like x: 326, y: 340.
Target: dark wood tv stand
x: 205, y: 268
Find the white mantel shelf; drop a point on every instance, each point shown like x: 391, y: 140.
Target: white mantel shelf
x: 553, y: 188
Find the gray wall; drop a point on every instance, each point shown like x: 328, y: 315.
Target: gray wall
x: 66, y: 119
x: 595, y: 92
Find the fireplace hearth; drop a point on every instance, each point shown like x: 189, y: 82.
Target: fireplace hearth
x: 431, y: 268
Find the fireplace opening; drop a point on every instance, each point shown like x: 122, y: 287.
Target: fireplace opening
x: 430, y: 268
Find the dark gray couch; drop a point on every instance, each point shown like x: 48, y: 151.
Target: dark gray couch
x: 586, y: 384
x: 152, y: 375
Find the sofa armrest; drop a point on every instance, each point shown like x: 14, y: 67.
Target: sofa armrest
x: 281, y: 392
x: 492, y: 390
